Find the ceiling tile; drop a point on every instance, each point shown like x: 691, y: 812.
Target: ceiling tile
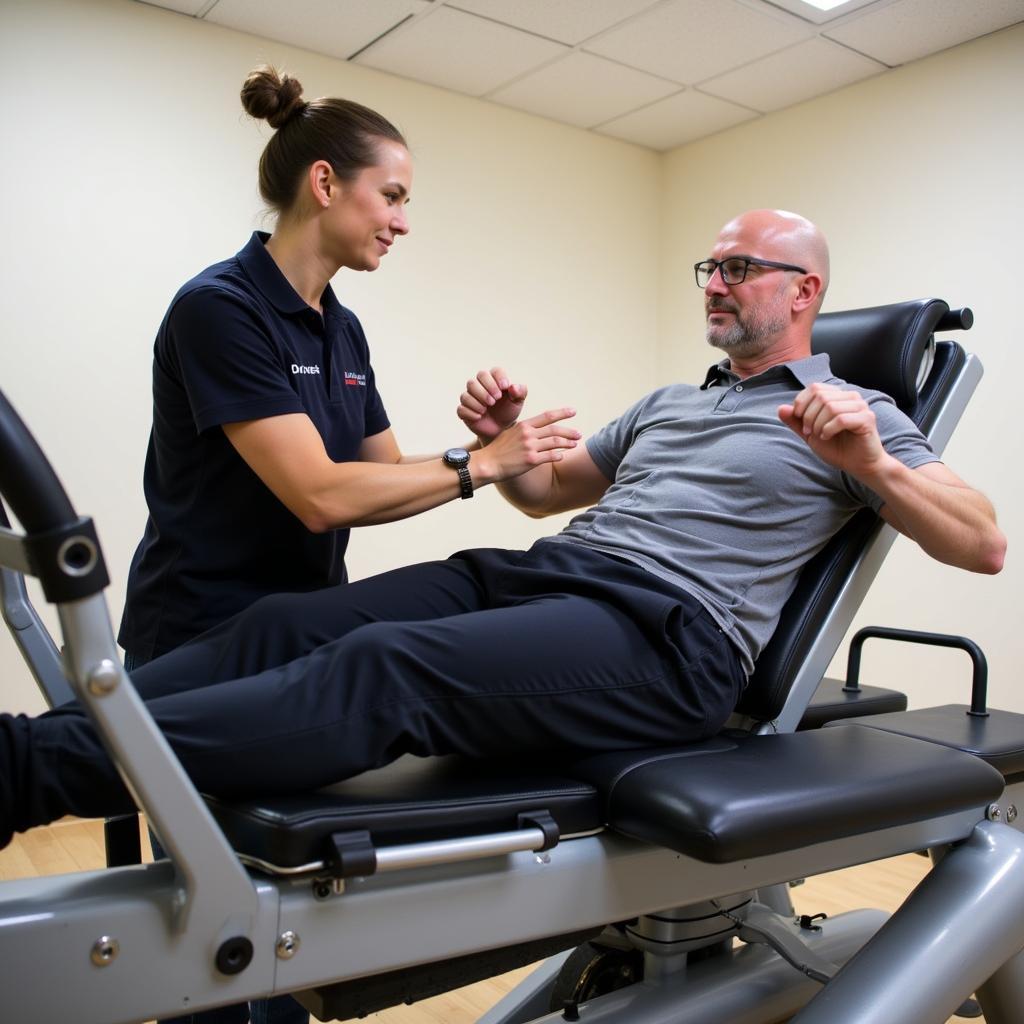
x: 681, y: 118
x: 568, y: 21
x: 583, y: 90
x: 690, y: 40
x: 614, y: 63
x: 459, y: 51
x: 808, y: 69
x: 909, y: 29
x: 191, y: 7
x: 324, y: 26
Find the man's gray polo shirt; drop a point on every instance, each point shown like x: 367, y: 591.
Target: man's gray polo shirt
x: 712, y: 492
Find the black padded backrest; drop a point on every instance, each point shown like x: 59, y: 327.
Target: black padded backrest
x: 882, y: 348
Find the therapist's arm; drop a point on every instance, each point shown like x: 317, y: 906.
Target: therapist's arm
x: 288, y: 455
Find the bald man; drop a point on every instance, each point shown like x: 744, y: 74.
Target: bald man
x: 637, y: 625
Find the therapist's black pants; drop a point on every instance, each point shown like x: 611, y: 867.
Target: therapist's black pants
x: 489, y: 653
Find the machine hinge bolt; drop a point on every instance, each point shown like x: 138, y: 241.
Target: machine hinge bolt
x: 103, y: 678
x: 287, y: 945
x: 325, y: 888
x: 104, y: 951
x: 1011, y: 812
x: 994, y: 812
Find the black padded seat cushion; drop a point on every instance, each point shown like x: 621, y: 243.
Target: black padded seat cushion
x: 757, y: 795
x: 412, y: 800
x: 831, y: 702
x: 997, y: 739
x: 723, y: 800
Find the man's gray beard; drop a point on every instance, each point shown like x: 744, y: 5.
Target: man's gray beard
x: 750, y: 337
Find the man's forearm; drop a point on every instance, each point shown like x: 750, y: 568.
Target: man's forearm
x: 568, y: 479
x: 949, y: 520
x: 531, y: 492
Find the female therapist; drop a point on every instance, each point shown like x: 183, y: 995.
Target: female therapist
x: 269, y: 438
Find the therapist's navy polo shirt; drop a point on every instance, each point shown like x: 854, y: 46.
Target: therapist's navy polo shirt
x: 238, y: 343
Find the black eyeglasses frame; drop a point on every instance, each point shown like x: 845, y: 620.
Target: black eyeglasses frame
x: 747, y: 261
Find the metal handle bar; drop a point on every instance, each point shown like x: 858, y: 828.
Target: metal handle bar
x: 979, y: 679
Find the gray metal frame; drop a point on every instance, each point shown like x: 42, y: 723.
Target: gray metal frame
x: 31, y: 636
x: 133, y: 943
x: 51, y: 929
x: 214, y: 890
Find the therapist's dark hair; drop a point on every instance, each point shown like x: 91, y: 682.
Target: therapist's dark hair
x: 342, y: 132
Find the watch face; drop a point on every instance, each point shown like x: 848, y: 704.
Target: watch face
x: 456, y: 457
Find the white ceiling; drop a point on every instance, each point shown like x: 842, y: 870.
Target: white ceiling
x: 655, y: 72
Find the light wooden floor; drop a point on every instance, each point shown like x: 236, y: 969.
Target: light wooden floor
x: 73, y: 845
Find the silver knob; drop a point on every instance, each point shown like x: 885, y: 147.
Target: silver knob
x: 103, y: 678
x: 105, y: 950
x: 287, y: 945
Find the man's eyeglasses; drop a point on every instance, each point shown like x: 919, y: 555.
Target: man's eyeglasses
x: 734, y: 269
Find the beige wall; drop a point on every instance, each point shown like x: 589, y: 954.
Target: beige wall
x: 915, y: 178
x: 128, y: 166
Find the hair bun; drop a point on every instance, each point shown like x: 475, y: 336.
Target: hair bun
x: 272, y: 97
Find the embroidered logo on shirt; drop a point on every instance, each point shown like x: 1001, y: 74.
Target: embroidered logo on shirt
x: 305, y: 369
x: 355, y: 379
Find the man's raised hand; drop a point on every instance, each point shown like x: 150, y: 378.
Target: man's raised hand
x: 491, y: 403
x: 839, y: 427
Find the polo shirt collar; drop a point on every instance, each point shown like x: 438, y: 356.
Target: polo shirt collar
x: 261, y: 269
x: 807, y: 371
x: 814, y: 369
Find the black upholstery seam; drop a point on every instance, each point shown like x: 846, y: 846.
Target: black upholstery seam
x: 657, y: 758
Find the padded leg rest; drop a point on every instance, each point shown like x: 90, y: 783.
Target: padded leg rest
x: 831, y: 702
x: 770, y: 794
x: 413, y: 800
x: 722, y: 800
x: 997, y: 738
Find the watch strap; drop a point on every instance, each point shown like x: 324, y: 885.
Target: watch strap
x: 465, y: 482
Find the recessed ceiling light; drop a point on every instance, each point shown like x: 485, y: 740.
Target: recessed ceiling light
x: 820, y: 11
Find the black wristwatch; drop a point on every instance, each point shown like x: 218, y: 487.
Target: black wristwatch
x: 458, y: 459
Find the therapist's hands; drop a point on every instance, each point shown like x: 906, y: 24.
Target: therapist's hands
x: 491, y: 403
x: 509, y: 447
x: 532, y: 442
